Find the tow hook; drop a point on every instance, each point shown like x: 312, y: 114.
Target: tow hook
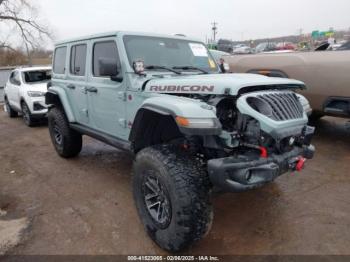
x: 263, y: 152
x: 300, y: 164
x: 297, y: 164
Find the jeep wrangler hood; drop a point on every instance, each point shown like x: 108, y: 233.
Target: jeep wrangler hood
x: 217, y: 83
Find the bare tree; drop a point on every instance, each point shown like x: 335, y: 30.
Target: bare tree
x: 19, y: 19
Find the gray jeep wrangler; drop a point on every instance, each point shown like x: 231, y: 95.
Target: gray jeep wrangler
x: 191, y: 128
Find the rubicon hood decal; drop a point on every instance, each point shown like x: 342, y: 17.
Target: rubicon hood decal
x: 182, y: 89
x: 216, y: 83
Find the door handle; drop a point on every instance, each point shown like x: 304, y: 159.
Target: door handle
x: 92, y: 89
x: 70, y: 86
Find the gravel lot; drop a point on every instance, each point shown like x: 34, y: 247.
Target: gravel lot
x: 85, y: 205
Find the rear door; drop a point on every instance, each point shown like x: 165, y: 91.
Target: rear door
x: 106, y: 97
x: 76, y: 81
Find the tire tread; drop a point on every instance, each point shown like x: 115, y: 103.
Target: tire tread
x: 191, y: 182
x: 72, y: 140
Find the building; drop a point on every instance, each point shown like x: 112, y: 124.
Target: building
x: 4, y: 75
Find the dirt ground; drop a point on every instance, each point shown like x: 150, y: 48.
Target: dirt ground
x: 85, y: 205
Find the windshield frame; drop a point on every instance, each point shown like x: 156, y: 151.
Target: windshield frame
x: 210, y: 56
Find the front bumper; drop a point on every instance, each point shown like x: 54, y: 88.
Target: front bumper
x: 237, y: 174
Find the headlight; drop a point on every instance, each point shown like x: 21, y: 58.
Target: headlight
x: 196, y: 122
x: 35, y: 93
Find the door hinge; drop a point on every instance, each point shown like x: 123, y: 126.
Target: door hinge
x: 122, y: 96
x: 123, y: 122
x: 86, y: 112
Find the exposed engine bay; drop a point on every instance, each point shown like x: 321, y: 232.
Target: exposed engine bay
x: 275, y: 107
x: 269, y: 135
x: 249, y: 132
x: 263, y: 134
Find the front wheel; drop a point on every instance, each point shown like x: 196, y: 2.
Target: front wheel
x: 67, y: 142
x: 27, y: 116
x: 172, y: 195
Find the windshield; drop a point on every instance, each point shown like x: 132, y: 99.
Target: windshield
x: 32, y: 77
x: 168, y: 52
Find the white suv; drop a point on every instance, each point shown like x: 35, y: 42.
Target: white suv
x: 25, y: 93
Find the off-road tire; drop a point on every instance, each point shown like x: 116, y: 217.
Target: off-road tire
x: 10, y: 112
x: 188, y: 188
x: 67, y: 142
x: 27, y: 116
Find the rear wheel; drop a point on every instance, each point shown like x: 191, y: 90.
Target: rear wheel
x: 172, y: 195
x: 27, y: 116
x: 67, y: 142
x: 10, y: 112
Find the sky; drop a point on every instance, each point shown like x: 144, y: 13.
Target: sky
x: 237, y: 19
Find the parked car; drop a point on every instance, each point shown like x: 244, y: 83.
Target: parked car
x: 25, y: 93
x: 163, y: 98
x: 344, y: 46
x: 242, y: 49
x: 225, y: 46
x: 326, y: 74
x: 286, y: 46
x: 266, y: 47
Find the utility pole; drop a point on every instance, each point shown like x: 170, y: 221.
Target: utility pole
x: 301, y: 34
x: 215, y: 30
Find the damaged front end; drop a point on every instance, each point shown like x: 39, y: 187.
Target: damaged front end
x: 248, y: 129
x: 267, y: 135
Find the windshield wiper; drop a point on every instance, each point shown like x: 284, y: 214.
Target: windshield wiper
x: 152, y: 67
x: 191, y: 68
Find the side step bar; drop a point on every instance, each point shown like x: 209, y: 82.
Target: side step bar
x: 106, y: 138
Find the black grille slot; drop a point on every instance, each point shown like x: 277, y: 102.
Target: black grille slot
x: 285, y: 106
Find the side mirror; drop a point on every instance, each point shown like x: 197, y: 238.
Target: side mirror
x: 226, y: 67
x: 109, y: 67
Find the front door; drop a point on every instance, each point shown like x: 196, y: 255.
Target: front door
x: 107, y: 98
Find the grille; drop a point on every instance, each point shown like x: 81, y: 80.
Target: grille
x: 285, y: 106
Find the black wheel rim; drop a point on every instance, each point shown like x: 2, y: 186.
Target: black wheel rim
x: 156, y: 200
x: 25, y: 112
x: 57, y: 134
